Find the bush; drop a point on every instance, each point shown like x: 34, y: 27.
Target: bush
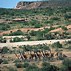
x: 2, y: 40
x: 33, y: 33
x: 53, y: 68
x: 16, y: 39
x: 12, y: 69
x: 55, y: 18
x: 18, y: 32
x: 25, y: 65
x: 37, y: 25
x: 45, y: 64
x: 32, y: 68
x: 1, y: 61
x: 5, y: 62
x: 63, y: 68
x: 67, y: 16
x: 69, y: 42
x: 48, y: 67
x: 5, y: 50
x: 64, y: 28
x: 19, y: 65
x: 67, y: 62
x: 16, y: 61
x: 57, y: 45
x: 5, y: 27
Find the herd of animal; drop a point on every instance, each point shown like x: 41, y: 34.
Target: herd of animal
x: 39, y: 55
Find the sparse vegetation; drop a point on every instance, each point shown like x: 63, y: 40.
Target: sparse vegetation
x: 36, y: 24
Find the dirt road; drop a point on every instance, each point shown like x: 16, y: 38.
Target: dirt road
x: 15, y: 44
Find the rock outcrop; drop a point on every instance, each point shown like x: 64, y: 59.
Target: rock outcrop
x: 30, y: 5
x: 43, y: 4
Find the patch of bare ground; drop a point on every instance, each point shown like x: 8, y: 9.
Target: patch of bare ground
x: 56, y: 63
x: 22, y: 29
x: 69, y: 27
x: 34, y: 29
x: 57, y: 30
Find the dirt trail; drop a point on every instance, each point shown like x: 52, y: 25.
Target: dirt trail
x: 15, y: 44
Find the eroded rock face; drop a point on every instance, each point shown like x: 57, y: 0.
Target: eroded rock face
x: 43, y: 4
x: 30, y: 5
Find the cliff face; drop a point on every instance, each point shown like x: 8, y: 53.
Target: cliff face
x: 43, y: 4
x: 30, y: 5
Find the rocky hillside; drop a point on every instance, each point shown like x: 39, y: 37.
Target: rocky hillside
x: 30, y: 5
x: 43, y: 4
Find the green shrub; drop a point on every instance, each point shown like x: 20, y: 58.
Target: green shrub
x: 47, y: 67
x: 5, y: 61
x: 37, y: 25
x: 64, y: 28
x: 16, y: 39
x: 25, y: 65
x: 32, y: 68
x: 18, y: 32
x: 67, y: 62
x: 12, y: 69
x: 55, y: 18
x: 5, y: 50
x: 16, y: 61
x: 57, y: 45
x: 19, y: 65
